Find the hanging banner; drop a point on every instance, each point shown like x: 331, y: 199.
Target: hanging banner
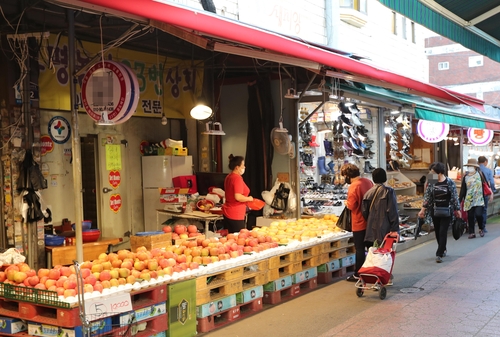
x: 115, y: 202
x: 432, y: 132
x: 480, y: 137
x: 165, y: 84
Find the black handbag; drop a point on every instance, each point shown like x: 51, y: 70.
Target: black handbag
x: 458, y: 228
x: 344, y: 220
x: 441, y: 212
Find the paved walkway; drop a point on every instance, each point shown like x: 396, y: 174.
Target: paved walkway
x: 457, y: 298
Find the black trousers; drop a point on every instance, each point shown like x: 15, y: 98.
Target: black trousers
x: 233, y: 226
x: 360, y: 245
x: 441, y: 230
x: 473, y: 214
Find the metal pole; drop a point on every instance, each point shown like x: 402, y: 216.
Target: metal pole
x: 75, y: 140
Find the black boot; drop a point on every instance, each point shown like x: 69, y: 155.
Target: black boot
x: 368, y: 167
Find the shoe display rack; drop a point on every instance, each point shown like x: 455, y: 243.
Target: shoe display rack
x: 328, y: 140
x: 399, y: 129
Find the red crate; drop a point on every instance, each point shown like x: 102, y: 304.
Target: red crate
x: 154, y: 326
x: 218, y: 320
x: 280, y: 296
x: 149, y: 296
x: 331, y: 276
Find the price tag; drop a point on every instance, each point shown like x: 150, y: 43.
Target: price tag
x: 100, y: 307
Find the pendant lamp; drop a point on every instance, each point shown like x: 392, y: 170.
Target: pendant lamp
x: 201, y: 112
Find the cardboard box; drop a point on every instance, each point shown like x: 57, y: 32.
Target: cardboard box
x: 279, y: 284
x: 140, y: 314
x: 304, y: 275
x: 98, y: 327
x: 11, y: 325
x: 173, y: 190
x: 329, y: 266
x: 214, y: 307
x: 151, y: 241
x: 250, y: 295
x: 349, y: 260
x: 173, y: 198
x: 182, y: 308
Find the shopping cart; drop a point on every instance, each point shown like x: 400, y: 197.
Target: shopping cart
x: 376, y: 272
x: 96, y: 324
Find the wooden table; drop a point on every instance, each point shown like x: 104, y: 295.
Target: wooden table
x: 65, y: 255
x: 195, y: 215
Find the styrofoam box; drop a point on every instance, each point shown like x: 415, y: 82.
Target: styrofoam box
x: 250, y: 295
x: 279, y: 284
x: 349, y: 260
x: 140, y: 314
x: 11, y: 325
x: 97, y: 327
x: 214, y: 307
x: 330, y: 266
x: 305, y: 275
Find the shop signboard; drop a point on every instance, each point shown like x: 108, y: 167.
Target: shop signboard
x: 480, y: 137
x: 168, y: 86
x: 432, y: 132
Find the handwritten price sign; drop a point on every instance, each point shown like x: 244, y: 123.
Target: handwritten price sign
x: 97, y: 308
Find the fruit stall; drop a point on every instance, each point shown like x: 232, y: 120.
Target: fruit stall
x: 175, y: 288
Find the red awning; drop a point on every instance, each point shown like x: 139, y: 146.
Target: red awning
x: 234, y: 31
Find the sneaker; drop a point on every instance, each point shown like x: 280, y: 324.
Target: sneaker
x: 391, y: 281
x: 439, y: 259
x: 352, y: 278
x: 472, y: 236
x: 444, y: 254
x: 481, y: 233
x: 484, y: 230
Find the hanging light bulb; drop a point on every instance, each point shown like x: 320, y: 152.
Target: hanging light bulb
x: 201, y: 112
x: 164, y: 119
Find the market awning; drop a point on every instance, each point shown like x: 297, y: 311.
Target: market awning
x: 281, y: 47
x: 473, y: 24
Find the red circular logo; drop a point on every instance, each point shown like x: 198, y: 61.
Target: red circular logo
x: 46, y: 144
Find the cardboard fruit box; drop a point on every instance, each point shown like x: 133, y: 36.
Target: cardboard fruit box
x: 155, y: 240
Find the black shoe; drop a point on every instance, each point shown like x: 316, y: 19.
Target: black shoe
x: 352, y: 278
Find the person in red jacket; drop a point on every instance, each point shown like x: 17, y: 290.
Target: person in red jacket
x: 357, y: 189
x: 234, y: 208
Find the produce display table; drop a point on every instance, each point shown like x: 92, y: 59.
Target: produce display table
x: 195, y: 215
x: 65, y: 255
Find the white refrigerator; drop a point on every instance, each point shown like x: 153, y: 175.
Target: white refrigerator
x: 157, y: 172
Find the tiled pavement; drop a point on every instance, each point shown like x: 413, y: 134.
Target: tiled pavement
x: 457, y: 298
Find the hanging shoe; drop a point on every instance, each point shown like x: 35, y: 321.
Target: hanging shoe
x: 357, y: 153
x: 354, y: 143
x: 345, y: 120
x: 328, y: 147
x: 313, y: 143
x: 355, y: 120
x: 322, y: 168
x: 368, y: 167
x: 331, y: 165
x: 347, y: 145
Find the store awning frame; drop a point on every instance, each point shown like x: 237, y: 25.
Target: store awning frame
x: 231, y: 31
x: 473, y: 24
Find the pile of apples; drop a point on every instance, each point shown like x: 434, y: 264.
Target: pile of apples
x: 301, y: 229
x: 182, y: 231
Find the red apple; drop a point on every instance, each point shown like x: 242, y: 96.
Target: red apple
x: 167, y: 229
x: 180, y: 229
x: 192, y: 229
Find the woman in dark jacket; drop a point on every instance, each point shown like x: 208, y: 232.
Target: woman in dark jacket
x: 440, y: 193
x: 380, y: 209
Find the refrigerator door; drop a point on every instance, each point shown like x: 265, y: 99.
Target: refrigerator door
x: 151, y: 202
x: 182, y: 166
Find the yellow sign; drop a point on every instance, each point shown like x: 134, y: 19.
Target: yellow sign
x: 113, y: 157
x: 167, y: 85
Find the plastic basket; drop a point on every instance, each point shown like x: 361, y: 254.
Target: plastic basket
x: 33, y: 295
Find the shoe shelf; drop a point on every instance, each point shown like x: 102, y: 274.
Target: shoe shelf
x: 401, y: 184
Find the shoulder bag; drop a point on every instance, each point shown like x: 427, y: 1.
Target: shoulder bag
x: 486, y: 186
x: 441, y: 212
